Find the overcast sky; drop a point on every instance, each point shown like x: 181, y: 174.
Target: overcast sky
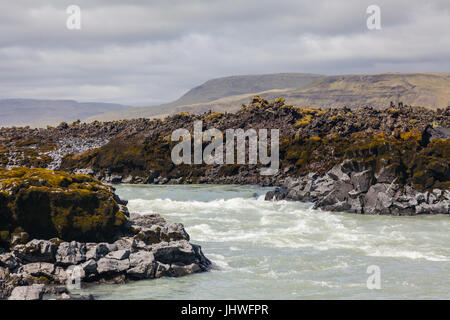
x: 148, y: 52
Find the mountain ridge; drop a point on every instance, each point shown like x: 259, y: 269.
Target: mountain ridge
x: 215, y: 89
x: 425, y: 89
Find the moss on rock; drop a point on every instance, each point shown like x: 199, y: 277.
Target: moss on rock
x: 48, y: 204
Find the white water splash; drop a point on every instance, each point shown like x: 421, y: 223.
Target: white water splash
x: 287, y: 250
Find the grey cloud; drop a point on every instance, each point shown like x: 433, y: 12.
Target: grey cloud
x: 146, y: 52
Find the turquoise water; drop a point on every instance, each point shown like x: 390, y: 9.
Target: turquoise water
x: 286, y: 250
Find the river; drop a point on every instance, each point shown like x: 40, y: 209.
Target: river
x: 286, y: 250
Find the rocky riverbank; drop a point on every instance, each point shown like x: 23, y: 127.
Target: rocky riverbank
x: 348, y: 187
x: 60, y: 230
x: 398, y: 151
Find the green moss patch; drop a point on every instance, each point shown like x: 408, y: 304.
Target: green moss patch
x: 48, y: 204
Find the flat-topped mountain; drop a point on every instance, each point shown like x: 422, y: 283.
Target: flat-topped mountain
x: 214, y: 90
x: 430, y: 90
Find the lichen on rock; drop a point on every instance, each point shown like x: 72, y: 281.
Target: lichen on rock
x: 49, y: 204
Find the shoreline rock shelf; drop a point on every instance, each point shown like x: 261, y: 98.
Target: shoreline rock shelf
x: 139, y: 247
x: 158, y: 249
x: 311, y: 141
x: 345, y: 188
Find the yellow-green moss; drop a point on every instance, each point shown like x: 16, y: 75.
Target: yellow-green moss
x: 49, y: 204
x: 304, y: 121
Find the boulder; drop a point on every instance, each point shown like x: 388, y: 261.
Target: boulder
x: 5, y: 289
x: 148, y: 235
x: 181, y: 252
x: 70, y: 253
x: 337, y: 173
x: 378, y: 199
x: 9, y: 261
x: 105, y: 265
x: 362, y: 180
x: 60, y: 275
x: 157, y: 233
x: 277, y: 194
x: 19, y: 238
x: 401, y: 209
x: 174, y: 231
x: 423, y: 208
x: 341, y: 206
x: 386, y: 174
x: 89, y: 267
x: 356, y: 204
x: 78, y: 297
x: 33, y: 292
x: 292, y: 182
x: 336, y: 197
x: 162, y: 269
x: 442, y: 207
x: 141, y: 257
x: 38, y: 269
x: 47, y: 204
x: 322, y: 187
x: 142, y: 265
x: 180, y: 270
x: 141, y: 271
x: 126, y: 243
x: 97, y: 251
x: 147, y: 220
x: 446, y: 195
x: 118, y: 255
x: 36, y: 251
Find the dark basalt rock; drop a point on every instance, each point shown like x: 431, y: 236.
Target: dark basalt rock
x: 44, y: 204
x: 36, y: 250
x: 277, y: 194
x: 32, y: 292
x: 312, y: 140
x: 364, y: 193
x: 73, y: 214
x: 54, y: 262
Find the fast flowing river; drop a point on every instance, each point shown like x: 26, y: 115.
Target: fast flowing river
x: 286, y: 250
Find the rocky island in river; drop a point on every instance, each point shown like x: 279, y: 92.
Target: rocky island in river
x: 56, y: 227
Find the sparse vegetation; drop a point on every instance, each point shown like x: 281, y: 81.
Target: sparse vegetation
x: 312, y: 140
x: 48, y: 204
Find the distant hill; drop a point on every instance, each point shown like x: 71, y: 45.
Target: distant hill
x: 215, y: 89
x: 40, y: 113
x: 430, y: 90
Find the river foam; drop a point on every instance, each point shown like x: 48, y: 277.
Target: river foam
x: 309, y: 253
x: 295, y: 225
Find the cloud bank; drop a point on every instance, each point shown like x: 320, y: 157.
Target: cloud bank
x: 149, y: 52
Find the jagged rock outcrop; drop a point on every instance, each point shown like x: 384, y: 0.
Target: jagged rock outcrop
x: 57, y: 227
x: 348, y: 188
x: 400, y: 145
x: 138, y: 151
x: 44, y: 204
x: 152, y: 249
x: 33, y: 292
